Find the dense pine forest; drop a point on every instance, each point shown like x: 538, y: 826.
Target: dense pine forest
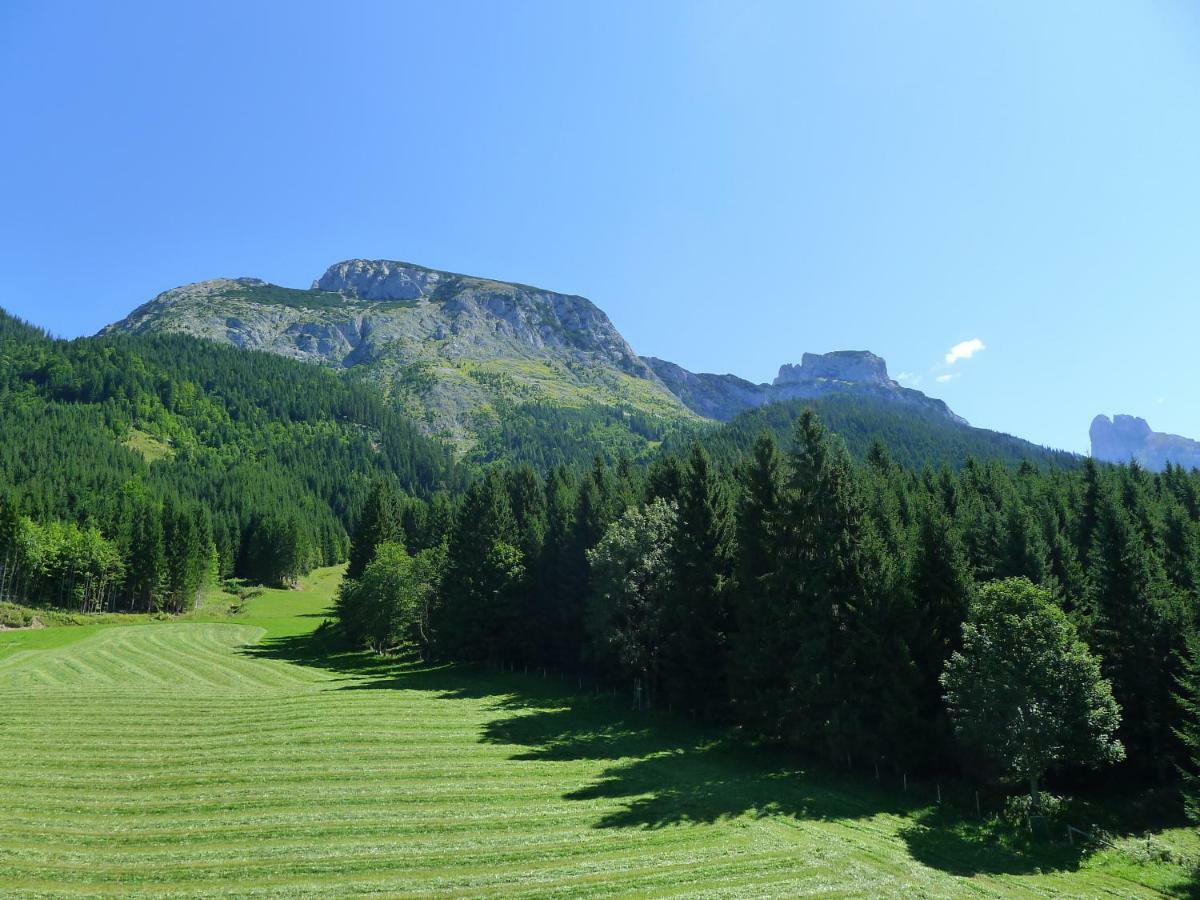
x: 133, y: 469
x: 856, y: 595
x: 1009, y: 622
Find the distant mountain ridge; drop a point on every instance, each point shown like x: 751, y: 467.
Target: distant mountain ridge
x: 853, y: 372
x: 454, y: 350
x: 499, y: 369
x: 1124, y: 438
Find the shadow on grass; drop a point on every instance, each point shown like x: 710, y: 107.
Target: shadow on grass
x: 666, y: 772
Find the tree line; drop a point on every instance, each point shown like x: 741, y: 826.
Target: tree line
x: 860, y: 611
x: 131, y: 467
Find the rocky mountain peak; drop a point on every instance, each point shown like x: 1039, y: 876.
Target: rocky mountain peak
x: 379, y: 279
x: 1122, y: 438
x: 857, y: 366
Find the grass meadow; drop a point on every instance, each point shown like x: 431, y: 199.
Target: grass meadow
x: 242, y: 756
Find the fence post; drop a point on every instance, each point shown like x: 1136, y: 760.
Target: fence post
x: 939, y: 792
x: 978, y: 811
x: 905, y: 782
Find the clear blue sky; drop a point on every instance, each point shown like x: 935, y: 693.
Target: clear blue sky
x: 734, y: 183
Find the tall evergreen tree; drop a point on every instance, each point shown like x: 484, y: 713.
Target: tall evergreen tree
x: 700, y: 620
x: 1188, y: 731
x: 1128, y: 626
x: 381, y: 522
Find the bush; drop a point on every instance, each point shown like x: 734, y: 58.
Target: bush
x: 13, y: 616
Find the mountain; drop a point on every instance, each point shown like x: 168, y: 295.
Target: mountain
x: 462, y: 354
x: 1122, y: 438
x: 849, y: 372
x: 914, y: 436
x: 503, y: 370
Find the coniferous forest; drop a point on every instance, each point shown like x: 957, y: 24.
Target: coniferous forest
x: 852, y: 610
x: 853, y: 595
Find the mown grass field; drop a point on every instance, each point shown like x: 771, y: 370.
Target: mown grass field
x: 232, y: 757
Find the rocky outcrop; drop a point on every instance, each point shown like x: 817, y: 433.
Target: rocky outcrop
x: 1125, y: 438
x: 450, y: 347
x: 851, y: 366
x: 854, y: 372
x: 719, y: 397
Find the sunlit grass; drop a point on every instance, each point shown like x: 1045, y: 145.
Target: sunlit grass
x: 248, y: 755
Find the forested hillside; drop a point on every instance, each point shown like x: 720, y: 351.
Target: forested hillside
x: 132, y: 468
x: 828, y: 605
x: 914, y: 438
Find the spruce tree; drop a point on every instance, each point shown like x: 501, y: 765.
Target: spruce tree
x: 940, y: 581
x: 481, y: 600
x: 761, y: 654
x: 1128, y: 625
x: 381, y: 521
x: 699, y: 618
x: 1188, y: 731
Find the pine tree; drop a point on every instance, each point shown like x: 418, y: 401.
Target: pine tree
x: 940, y: 581
x: 381, y: 521
x: 700, y: 619
x: 761, y: 653
x: 1128, y: 627
x: 481, y: 611
x: 1188, y: 731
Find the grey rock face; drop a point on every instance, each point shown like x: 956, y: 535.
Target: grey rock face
x: 854, y: 372
x: 1125, y: 438
x: 719, y: 397
x: 448, y: 346
x: 378, y: 279
x: 858, y: 366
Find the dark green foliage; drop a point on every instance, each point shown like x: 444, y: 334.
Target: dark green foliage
x: 381, y: 522
x: 912, y: 437
x: 249, y: 448
x: 482, y: 612
x: 1188, y: 731
x: 699, y: 617
x: 1024, y: 691
x: 1129, y: 624
x: 815, y: 601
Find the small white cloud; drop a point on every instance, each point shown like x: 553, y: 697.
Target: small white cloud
x: 909, y: 377
x: 964, y: 350
x: 1161, y: 400
x: 949, y: 376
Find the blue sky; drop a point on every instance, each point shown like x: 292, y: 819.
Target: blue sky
x: 734, y: 183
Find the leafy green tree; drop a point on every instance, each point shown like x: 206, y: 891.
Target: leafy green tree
x: 382, y: 608
x: 631, y: 580
x: 1025, y: 691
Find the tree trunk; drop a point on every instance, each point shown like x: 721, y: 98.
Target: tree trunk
x: 1034, y: 797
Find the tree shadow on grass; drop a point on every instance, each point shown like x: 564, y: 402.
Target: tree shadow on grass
x: 963, y: 846
x: 665, y: 771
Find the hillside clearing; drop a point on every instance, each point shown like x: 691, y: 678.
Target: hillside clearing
x: 230, y: 758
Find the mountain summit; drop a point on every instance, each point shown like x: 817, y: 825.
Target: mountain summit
x: 850, y: 372
x: 1124, y: 438
x: 478, y: 361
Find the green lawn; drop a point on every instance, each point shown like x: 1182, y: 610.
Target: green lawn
x: 235, y: 757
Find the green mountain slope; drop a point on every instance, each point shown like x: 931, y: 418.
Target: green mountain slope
x: 93, y: 426
x: 914, y: 438
x: 464, y: 356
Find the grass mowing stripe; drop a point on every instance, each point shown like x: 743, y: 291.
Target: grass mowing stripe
x: 185, y: 759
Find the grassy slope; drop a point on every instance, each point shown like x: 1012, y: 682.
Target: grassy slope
x: 237, y: 757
